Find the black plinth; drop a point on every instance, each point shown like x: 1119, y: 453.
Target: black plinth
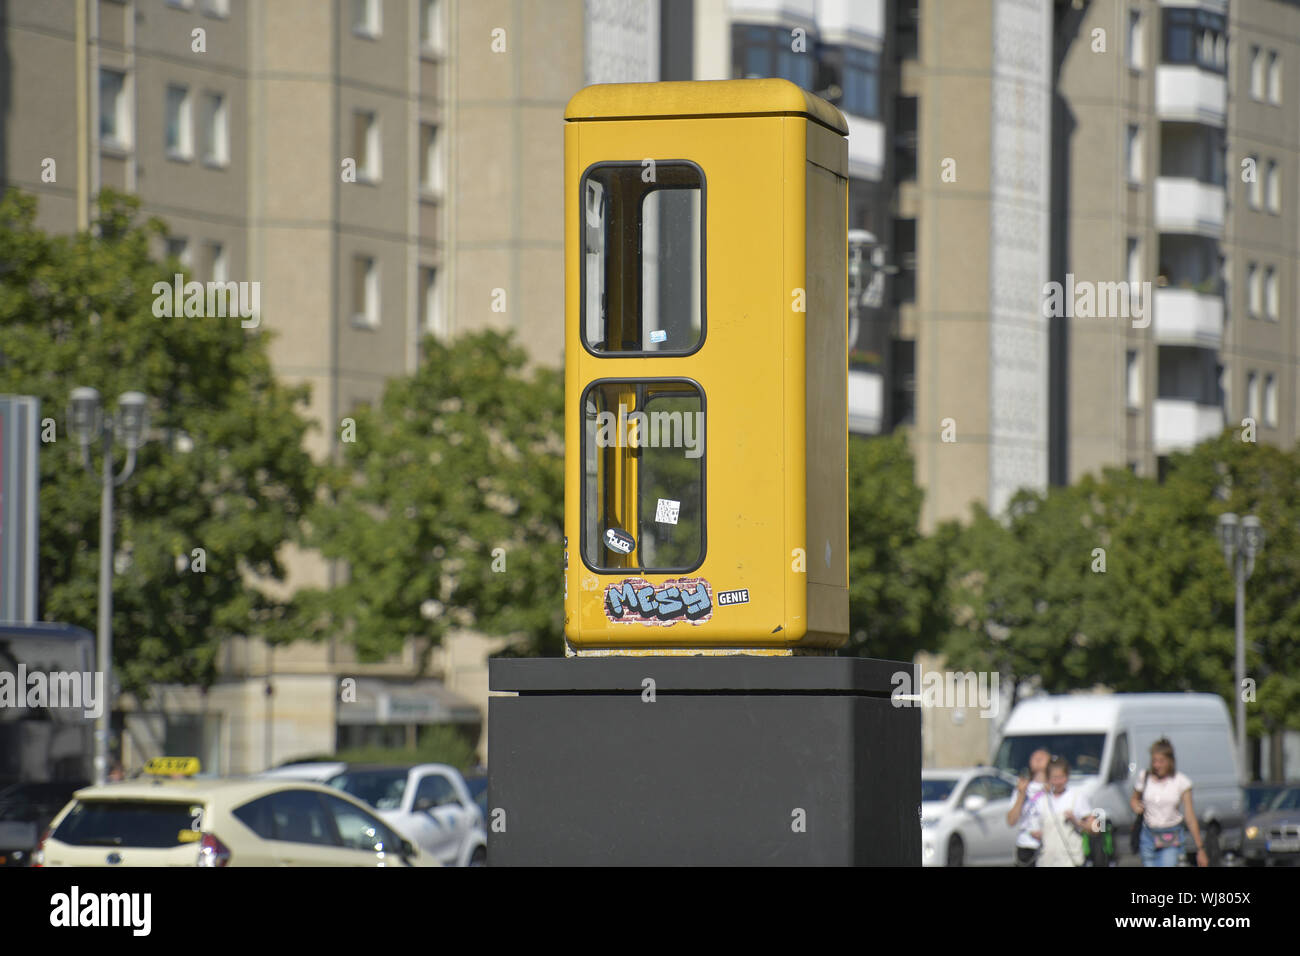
x: 737, y: 761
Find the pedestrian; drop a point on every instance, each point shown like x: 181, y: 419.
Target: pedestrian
x: 1024, y: 812
x: 1064, y: 815
x: 1162, y: 801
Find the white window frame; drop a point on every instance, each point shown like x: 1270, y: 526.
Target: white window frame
x: 433, y: 27
x: 372, y: 169
x: 215, y: 125
x: 1133, y: 155
x: 183, y: 151
x: 370, y: 24
x: 124, y: 133
x: 366, y: 270
x: 1132, y: 379
x: 219, y: 270
x: 1256, y: 73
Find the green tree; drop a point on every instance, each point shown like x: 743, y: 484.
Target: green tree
x: 897, y: 594
x: 224, y: 470
x: 447, y: 507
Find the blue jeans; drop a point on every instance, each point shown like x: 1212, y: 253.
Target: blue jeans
x: 1164, y: 857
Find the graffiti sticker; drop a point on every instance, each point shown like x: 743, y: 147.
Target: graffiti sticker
x: 637, y: 601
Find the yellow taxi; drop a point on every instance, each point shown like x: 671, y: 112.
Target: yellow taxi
x: 173, y: 817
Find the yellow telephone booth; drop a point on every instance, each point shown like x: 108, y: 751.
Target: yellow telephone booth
x: 706, y: 369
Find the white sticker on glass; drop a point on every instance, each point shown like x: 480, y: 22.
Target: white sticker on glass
x: 667, y: 511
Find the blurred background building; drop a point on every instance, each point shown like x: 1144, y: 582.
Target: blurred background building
x: 995, y: 146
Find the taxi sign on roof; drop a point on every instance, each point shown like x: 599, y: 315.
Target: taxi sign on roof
x: 172, y: 766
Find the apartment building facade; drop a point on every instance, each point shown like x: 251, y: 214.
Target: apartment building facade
x: 384, y: 169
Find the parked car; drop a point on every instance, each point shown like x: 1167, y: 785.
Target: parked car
x: 213, y: 822
x: 1273, y: 835
x: 428, y: 802
x: 478, y: 791
x: 964, y: 817
x: 1107, y: 738
x: 26, y: 809
x: 316, y: 771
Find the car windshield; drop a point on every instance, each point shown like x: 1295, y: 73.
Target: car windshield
x: 382, y: 789
x: 1288, y: 799
x: 1081, y: 751
x: 152, y: 824
x: 937, y: 789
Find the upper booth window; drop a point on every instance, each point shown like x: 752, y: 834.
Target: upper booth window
x: 643, y: 258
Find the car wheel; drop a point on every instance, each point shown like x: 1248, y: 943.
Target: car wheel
x: 956, y: 852
x: 479, y: 857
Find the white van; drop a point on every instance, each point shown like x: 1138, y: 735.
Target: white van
x: 1107, y: 739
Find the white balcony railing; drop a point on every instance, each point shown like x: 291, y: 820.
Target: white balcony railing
x: 866, y: 147
x: 1189, y: 94
x: 1189, y: 205
x: 1181, y: 424
x: 1188, y: 317
x: 866, y: 402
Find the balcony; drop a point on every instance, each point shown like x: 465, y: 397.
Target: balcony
x: 1189, y: 206
x: 1181, y: 424
x: 866, y: 147
x: 1189, y: 94
x: 1188, y: 317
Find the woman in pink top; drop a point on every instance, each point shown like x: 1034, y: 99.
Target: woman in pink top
x: 1163, y: 802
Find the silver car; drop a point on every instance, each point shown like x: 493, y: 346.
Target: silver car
x: 964, y: 817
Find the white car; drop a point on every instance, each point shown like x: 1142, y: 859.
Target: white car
x: 428, y: 803
x: 315, y: 771
x: 964, y: 817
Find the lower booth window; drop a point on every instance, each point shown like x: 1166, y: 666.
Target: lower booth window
x: 643, y: 476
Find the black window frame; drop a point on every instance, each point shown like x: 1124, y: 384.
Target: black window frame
x: 584, y: 518
x: 703, y: 265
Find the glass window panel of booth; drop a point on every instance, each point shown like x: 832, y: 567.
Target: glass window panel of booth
x: 643, y: 476
x: 643, y: 258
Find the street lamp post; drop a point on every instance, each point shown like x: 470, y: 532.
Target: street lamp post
x: 88, y: 423
x: 1242, y: 540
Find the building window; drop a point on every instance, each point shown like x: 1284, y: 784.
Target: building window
x: 907, y: 28
x: 1256, y: 187
x: 366, y: 19
x: 215, y: 127
x: 114, y: 112
x: 431, y: 168
x: 1256, y: 73
x: 1134, y: 263
x: 365, y: 145
x: 1195, y: 38
x: 1252, y: 395
x: 1274, y: 78
x: 1254, y: 292
x: 1274, y: 187
x: 181, y: 4
x: 1270, y: 401
x: 1270, y: 293
x: 642, y: 278
x: 432, y: 36
x: 178, y: 127
x: 860, y: 81
x: 1135, y: 54
x: 1134, y: 154
x: 217, y: 268
x: 766, y: 51
x: 216, y: 8
x: 433, y: 318
x: 1132, y: 379
x: 178, y: 248
x: 365, y: 292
